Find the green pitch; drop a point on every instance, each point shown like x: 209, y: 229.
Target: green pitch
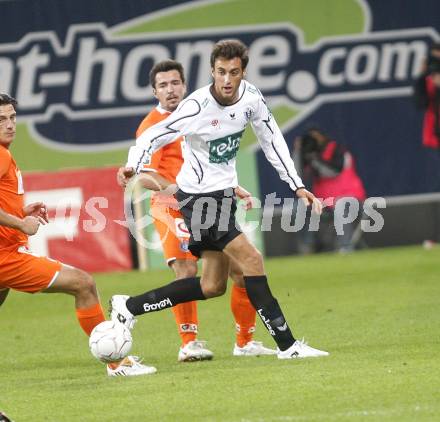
x: 375, y: 311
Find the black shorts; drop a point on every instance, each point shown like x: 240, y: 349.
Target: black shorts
x: 210, y: 218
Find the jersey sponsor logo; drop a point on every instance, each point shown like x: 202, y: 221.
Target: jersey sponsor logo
x: 224, y: 149
x: 98, y: 72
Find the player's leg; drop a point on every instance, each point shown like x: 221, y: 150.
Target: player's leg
x: 26, y: 272
x: 260, y: 295
x: 215, y: 269
x: 242, y: 309
x: 211, y: 284
x: 175, y: 238
x: 185, y: 314
x: 245, y: 317
x: 81, y: 285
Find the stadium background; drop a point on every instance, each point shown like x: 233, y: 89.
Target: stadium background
x: 82, y: 92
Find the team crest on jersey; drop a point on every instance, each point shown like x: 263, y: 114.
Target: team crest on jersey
x: 224, y: 149
x: 181, y: 229
x: 184, y: 245
x: 248, y: 114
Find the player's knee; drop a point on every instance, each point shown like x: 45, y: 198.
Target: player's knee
x: 253, y: 261
x: 213, y: 289
x: 85, y: 282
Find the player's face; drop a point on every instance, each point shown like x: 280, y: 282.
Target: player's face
x: 7, y: 124
x: 227, y: 74
x: 169, y: 89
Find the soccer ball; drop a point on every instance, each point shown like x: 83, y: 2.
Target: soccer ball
x: 110, y: 341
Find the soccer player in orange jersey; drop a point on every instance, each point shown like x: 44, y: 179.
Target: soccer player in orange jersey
x: 168, y: 82
x: 24, y: 271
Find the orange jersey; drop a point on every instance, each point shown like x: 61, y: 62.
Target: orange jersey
x: 168, y: 160
x: 11, y: 199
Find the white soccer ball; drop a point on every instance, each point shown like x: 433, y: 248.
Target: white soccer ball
x: 110, y: 341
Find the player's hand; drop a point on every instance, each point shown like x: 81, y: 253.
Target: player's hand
x: 309, y: 199
x: 38, y: 210
x: 124, y: 175
x: 246, y: 196
x: 29, y: 225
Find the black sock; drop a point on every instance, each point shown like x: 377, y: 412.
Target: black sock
x: 179, y: 291
x: 269, y: 311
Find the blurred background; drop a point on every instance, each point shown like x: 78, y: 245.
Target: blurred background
x: 362, y: 72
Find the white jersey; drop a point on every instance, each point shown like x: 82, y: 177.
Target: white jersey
x: 212, y: 135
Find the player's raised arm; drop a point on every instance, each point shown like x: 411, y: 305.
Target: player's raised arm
x: 274, y: 146
x: 162, y: 133
x: 277, y: 153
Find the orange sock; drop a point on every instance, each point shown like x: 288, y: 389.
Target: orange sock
x: 186, y: 320
x: 244, y: 314
x: 89, y: 318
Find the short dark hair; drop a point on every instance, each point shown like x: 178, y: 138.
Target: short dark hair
x: 6, y: 99
x: 166, y: 66
x: 230, y: 49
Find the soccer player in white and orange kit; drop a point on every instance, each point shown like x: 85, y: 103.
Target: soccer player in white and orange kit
x: 168, y: 82
x: 212, y: 121
x: 22, y: 270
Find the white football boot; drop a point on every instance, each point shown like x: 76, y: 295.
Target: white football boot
x: 119, y: 312
x: 129, y: 367
x: 300, y: 349
x: 253, y: 348
x: 193, y: 351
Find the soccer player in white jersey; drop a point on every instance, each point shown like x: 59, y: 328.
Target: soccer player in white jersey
x: 212, y: 120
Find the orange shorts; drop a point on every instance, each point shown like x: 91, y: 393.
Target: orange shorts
x: 21, y: 270
x: 173, y: 233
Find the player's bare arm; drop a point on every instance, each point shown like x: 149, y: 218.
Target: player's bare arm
x: 149, y: 180
x: 28, y: 225
x: 154, y: 181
